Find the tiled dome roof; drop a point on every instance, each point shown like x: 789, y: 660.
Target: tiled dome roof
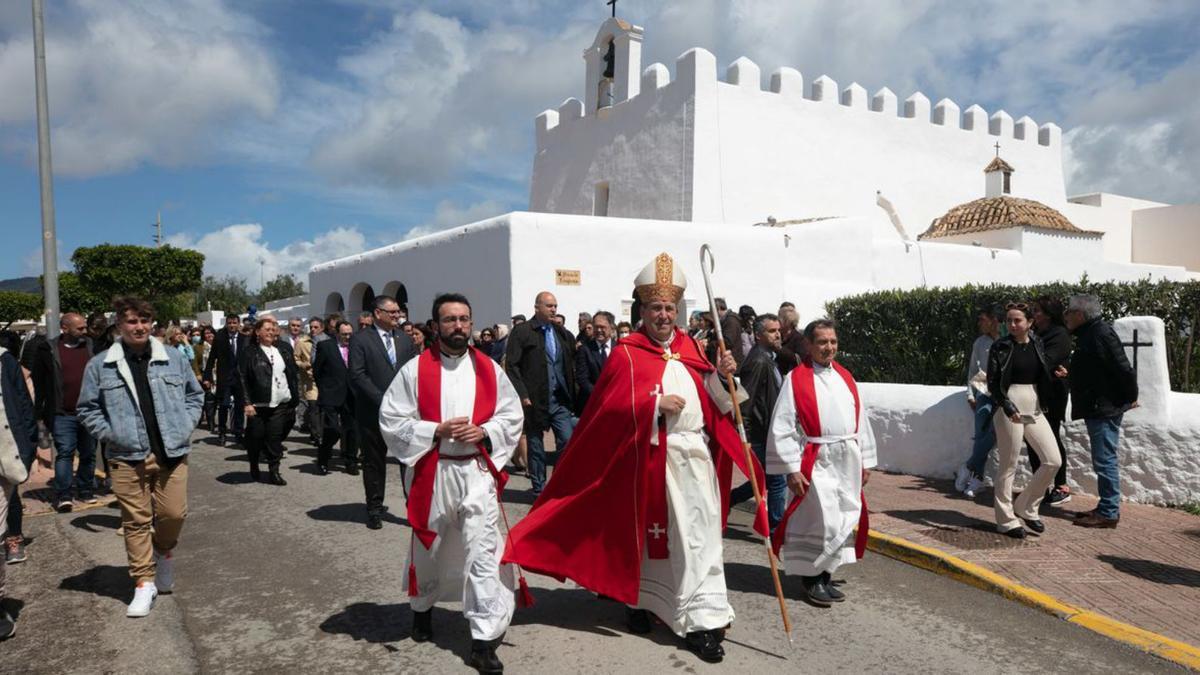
x: 998, y: 213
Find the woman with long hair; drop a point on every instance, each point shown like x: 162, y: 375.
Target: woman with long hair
x: 1020, y: 380
x: 1050, y: 326
x: 268, y: 374
x: 204, y: 350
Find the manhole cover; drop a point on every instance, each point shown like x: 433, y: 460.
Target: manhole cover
x: 972, y: 539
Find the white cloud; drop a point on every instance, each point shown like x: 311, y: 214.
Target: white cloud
x: 132, y: 83
x: 448, y: 214
x: 236, y: 250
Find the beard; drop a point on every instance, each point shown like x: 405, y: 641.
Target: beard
x: 455, y: 340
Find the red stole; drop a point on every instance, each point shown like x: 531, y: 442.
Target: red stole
x: 429, y: 407
x: 808, y: 415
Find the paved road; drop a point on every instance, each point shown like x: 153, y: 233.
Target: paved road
x: 290, y: 580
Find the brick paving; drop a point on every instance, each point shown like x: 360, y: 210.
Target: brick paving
x: 1146, y: 572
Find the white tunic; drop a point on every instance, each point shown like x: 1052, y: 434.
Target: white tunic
x: 463, y: 563
x: 820, y: 534
x: 687, y: 590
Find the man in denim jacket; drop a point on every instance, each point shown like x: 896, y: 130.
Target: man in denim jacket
x: 143, y: 401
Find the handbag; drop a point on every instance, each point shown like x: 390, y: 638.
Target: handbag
x: 12, y: 469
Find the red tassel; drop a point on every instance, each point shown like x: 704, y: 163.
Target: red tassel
x: 524, y: 596
x: 412, y: 581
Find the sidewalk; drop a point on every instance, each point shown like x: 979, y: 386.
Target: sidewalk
x: 1146, y: 572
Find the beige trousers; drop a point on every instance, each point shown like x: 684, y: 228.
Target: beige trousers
x: 1009, y: 439
x: 151, y: 497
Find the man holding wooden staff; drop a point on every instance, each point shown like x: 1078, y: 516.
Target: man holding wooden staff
x: 636, y: 509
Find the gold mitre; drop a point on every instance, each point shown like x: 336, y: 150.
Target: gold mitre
x: 660, y: 280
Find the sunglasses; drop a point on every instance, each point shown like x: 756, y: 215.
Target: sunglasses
x: 1016, y: 305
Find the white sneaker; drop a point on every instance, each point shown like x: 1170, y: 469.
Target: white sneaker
x: 143, y: 601
x: 164, y: 572
x: 961, y: 478
x: 974, y: 485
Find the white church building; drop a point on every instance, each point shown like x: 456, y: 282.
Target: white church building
x: 805, y: 191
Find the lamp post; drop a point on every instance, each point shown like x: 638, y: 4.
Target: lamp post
x: 45, y: 174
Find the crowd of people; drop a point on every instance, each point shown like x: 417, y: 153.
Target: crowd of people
x: 460, y: 409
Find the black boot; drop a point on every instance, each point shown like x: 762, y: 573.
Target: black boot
x: 706, y: 645
x: 422, y: 626
x: 483, y: 657
x: 637, y: 620
x: 352, y: 468
x: 834, y: 594
x: 274, y: 478
x: 815, y: 591
x: 255, y: 473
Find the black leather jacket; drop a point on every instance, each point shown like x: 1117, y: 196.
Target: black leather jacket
x: 254, y: 372
x: 761, y: 381
x: 999, y: 374
x: 1103, y: 384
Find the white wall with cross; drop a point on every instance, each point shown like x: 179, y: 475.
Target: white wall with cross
x: 1145, y: 343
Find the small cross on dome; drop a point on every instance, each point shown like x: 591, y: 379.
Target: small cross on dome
x: 613, y: 3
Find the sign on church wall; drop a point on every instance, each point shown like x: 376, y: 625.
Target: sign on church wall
x: 566, y: 277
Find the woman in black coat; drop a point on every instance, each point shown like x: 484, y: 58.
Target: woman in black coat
x: 267, y: 370
x: 1056, y: 342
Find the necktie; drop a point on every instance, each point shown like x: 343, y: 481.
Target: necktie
x: 551, y: 343
x: 233, y: 343
x: 603, y: 352
x: 391, y: 348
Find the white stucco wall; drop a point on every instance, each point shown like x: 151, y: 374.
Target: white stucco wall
x: 1168, y: 235
x: 1112, y: 215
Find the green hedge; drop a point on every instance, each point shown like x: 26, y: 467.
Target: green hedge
x: 923, y: 336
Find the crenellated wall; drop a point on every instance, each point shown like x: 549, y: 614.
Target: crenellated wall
x: 701, y: 148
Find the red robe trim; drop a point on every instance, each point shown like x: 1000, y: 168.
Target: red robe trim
x: 809, y: 417
x: 591, y: 522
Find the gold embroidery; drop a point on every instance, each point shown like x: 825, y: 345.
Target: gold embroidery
x: 670, y: 356
x: 663, y: 287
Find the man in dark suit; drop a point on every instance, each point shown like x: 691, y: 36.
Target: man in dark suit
x: 228, y: 344
x: 541, y: 364
x: 331, y: 371
x: 592, y: 355
x: 731, y: 330
x: 376, y: 355
x: 762, y: 379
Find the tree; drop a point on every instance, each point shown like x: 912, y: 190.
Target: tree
x: 74, y: 296
x: 282, y: 286
x: 155, y: 274
x: 18, y: 306
x: 226, y: 293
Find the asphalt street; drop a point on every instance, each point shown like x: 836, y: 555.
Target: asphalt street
x: 289, y: 579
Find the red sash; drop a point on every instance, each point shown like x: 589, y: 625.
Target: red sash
x: 808, y: 415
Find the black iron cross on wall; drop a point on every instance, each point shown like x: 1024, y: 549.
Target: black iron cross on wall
x: 1136, y: 345
x: 613, y: 3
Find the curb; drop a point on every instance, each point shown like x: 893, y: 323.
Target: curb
x: 940, y: 562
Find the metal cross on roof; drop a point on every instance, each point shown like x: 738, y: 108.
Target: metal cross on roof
x: 997, y: 148
x: 613, y: 3
x: 1136, y: 345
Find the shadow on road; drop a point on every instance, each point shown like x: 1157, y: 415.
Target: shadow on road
x: 575, y: 609
x: 238, y: 458
x: 943, y: 518
x: 350, y: 513
x: 385, y: 624
x: 107, y: 581
x: 1159, y: 573
x: 94, y: 522
x: 236, y: 478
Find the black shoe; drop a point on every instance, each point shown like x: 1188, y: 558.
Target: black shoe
x: 834, y: 594
x: 704, y: 643
x: 352, y: 468
x: 1017, y: 532
x: 422, y: 626
x: 637, y: 621
x: 322, y: 470
x: 483, y: 657
x: 1035, y: 526
x: 816, y: 591
x: 255, y: 473
x: 8, y: 626
x: 221, y: 440
x: 375, y: 521
x: 1057, y: 497
x: 274, y: 478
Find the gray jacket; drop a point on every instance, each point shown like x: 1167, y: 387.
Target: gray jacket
x: 108, y: 403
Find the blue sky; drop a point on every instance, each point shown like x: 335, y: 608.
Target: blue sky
x: 303, y: 130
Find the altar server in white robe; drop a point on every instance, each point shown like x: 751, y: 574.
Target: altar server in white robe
x: 452, y: 416
x: 821, y: 439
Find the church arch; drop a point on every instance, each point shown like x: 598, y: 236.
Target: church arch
x: 361, y: 296
x: 334, y: 303
x: 397, y: 290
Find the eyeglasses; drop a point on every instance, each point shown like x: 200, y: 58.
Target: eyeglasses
x: 1016, y: 305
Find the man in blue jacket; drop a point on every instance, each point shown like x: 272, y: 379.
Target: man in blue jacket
x: 143, y: 401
